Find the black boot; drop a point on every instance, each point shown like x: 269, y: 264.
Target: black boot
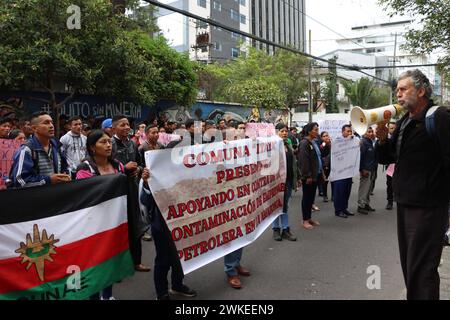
x: 277, y: 234
x: 389, y: 206
x: 288, y: 235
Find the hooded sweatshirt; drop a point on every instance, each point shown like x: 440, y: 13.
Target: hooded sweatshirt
x: 74, y: 147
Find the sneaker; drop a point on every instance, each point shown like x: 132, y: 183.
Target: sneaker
x: 277, y: 234
x: 363, y: 210
x: 389, y: 206
x: 110, y: 298
x: 315, y: 208
x: 369, y: 208
x: 184, y: 291
x: 286, y: 234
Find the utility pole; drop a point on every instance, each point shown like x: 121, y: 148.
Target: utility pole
x: 309, y: 83
x: 393, y: 75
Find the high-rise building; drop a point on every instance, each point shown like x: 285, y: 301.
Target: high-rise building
x: 205, y: 42
x: 280, y: 21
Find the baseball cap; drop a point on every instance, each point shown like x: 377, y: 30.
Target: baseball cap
x: 107, y: 123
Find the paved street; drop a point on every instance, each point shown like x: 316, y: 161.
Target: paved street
x: 329, y: 262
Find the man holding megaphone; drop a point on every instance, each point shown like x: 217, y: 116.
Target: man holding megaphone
x: 420, y: 149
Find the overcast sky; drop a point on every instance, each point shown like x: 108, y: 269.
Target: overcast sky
x: 340, y: 16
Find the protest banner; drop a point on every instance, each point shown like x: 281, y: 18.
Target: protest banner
x: 7, y: 149
x: 255, y: 130
x: 166, y: 138
x: 54, y: 249
x: 218, y: 197
x: 345, y: 157
x: 333, y: 127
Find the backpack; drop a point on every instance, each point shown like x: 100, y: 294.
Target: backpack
x: 430, y: 123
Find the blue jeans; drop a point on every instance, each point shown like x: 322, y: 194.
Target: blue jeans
x: 284, y: 216
x: 232, y: 261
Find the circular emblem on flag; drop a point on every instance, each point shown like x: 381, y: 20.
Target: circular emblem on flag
x: 38, y: 250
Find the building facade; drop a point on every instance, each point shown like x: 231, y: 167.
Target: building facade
x: 384, y: 41
x: 280, y: 21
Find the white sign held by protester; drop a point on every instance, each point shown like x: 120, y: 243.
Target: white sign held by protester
x: 217, y: 197
x: 333, y: 127
x: 345, y: 157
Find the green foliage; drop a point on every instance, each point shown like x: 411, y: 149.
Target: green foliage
x: 177, y: 78
x: 112, y: 54
x: 331, y: 88
x: 37, y: 50
x: 434, y: 16
x: 379, y: 97
x: 359, y: 91
x: 257, y: 79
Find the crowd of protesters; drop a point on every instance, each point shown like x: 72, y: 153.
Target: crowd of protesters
x: 88, y: 149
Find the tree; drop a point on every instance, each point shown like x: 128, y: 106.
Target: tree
x: 257, y: 92
x: 39, y: 51
x: 359, y: 91
x: 331, y: 88
x: 434, y: 16
x: 278, y: 79
x: 177, y: 76
x: 379, y: 97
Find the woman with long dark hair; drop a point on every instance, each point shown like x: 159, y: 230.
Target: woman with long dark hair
x: 310, y: 168
x: 98, y: 163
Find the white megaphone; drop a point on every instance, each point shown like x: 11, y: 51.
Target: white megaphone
x: 362, y: 119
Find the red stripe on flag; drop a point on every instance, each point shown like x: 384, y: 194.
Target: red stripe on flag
x: 84, y: 253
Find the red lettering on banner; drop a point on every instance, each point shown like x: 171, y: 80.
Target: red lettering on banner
x: 238, y: 172
x: 215, y: 156
x: 214, y: 242
x: 243, y: 191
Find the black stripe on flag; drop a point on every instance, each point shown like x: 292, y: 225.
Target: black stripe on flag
x: 27, y: 204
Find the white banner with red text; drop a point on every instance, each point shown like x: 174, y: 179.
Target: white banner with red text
x: 218, y: 197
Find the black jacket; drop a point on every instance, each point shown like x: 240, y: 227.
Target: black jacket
x: 368, y: 157
x: 307, y: 160
x: 422, y: 170
x: 126, y: 152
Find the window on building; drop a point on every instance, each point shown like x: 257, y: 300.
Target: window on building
x: 242, y: 2
x: 217, y: 46
x: 217, y: 6
x: 201, y: 3
x: 234, y: 15
x: 234, y: 52
x: 243, y: 18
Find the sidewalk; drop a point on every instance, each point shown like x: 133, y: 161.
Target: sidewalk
x: 444, y: 272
